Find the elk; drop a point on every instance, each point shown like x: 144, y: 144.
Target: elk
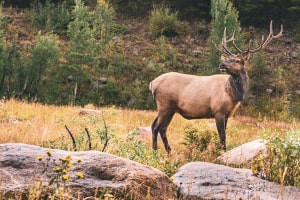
x: 197, y: 97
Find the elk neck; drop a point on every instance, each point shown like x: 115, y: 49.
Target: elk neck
x: 237, y: 86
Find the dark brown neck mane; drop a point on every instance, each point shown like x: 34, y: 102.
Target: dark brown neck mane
x: 237, y: 86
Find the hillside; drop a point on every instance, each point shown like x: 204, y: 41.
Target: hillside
x: 143, y: 57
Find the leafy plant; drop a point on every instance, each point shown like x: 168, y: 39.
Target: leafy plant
x: 197, y: 143
x: 138, y: 151
x: 282, y: 163
x: 45, y: 54
x: 164, y: 22
x: 50, y: 16
x: 58, y: 174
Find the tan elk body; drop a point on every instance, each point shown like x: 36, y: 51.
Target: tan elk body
x: 196, y: 97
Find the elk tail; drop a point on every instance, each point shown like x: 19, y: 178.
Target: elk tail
x: 151, y: 89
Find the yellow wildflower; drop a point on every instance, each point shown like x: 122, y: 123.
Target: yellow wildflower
x: 65, y: 171
x: 68, y: 157
x: 79, y: 160
x: 172, y: 178
x: 80, y: 175
x: 57, y: 169
x: 69, y: 165
x: 39, y: 158
x: 101, y: 2
x: 65, y: 177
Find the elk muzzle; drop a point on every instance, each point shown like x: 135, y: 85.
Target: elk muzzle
x: 222, y: 67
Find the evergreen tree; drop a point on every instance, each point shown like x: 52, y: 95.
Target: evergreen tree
x: 223, y: 15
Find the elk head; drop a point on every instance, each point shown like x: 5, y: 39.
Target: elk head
x: 233, y: 64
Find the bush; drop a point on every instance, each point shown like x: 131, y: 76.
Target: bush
x: 165, y: 22
x: 45, y: 54
x: 197, y: 143
x: 282, y: 163
x: 51, y: 16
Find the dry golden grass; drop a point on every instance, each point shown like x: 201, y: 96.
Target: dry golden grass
x: 32, y: 123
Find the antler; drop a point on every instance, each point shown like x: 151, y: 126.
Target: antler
x: 224, y: 44
x: 262, y: 45
x: 265, y: 43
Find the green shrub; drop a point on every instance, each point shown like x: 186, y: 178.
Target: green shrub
x: 282, y: 163
x: 138, y: 151
x: 45, y: 54
x: 120, y: 29
x: 164, y: 22
x: 197, y: 143
x: 165, y: 56
x: 51, y: 16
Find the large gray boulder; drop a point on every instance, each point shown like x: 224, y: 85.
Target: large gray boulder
x: 202, y: 180
x: 19, y: 170
x: 243, y: 154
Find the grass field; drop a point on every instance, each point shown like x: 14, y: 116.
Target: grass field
x: 32, y: 123
x: 44, y: 125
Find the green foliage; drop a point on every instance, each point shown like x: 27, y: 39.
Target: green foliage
x: 164, y: 22
x: 279, y: 103
x: 282, y: 162
x: 89, y: 32
x: 166, y: 56
x: 120, y: 29
x: 58, y: 174
x: 257, y: 72
x: 259, y: 13
x: 197, y: 143
x: 223, y: 15
x: 50, y: 16
x: 138, y: 151
x: 44, y: 55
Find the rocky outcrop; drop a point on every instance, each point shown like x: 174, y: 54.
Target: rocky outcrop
x: 243, y: 154
x: 20, y: 169
x: 145, y: 134
x: 201, y: 180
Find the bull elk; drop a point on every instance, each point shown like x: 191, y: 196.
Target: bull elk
x: 197, y: 97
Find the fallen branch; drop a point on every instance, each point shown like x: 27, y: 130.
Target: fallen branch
x: 72, y: 137
x: 106, y: 133
x: 89, y: 138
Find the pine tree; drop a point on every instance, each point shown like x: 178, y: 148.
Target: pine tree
x: 223, y: 15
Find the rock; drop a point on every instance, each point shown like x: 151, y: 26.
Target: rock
x: 297, y: 92
x: 243, y: 154
x: 102, y: 80
x: 19, y: 170
x: 269, y: 91
x: 145, y: 134
x: 294, y: 54
x: 202, y: 180
x: 196, y: 52
x: 136, y: 50
x: 151, y: 64
x: 116, y: 39
x: 87, y: 111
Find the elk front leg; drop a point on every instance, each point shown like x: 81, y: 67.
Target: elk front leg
x: 221, y: 126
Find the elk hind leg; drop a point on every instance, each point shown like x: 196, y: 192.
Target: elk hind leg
x: 163, y: 129
x: 155, y: 128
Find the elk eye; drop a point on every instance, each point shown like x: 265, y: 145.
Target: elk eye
x: 231, y: 60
